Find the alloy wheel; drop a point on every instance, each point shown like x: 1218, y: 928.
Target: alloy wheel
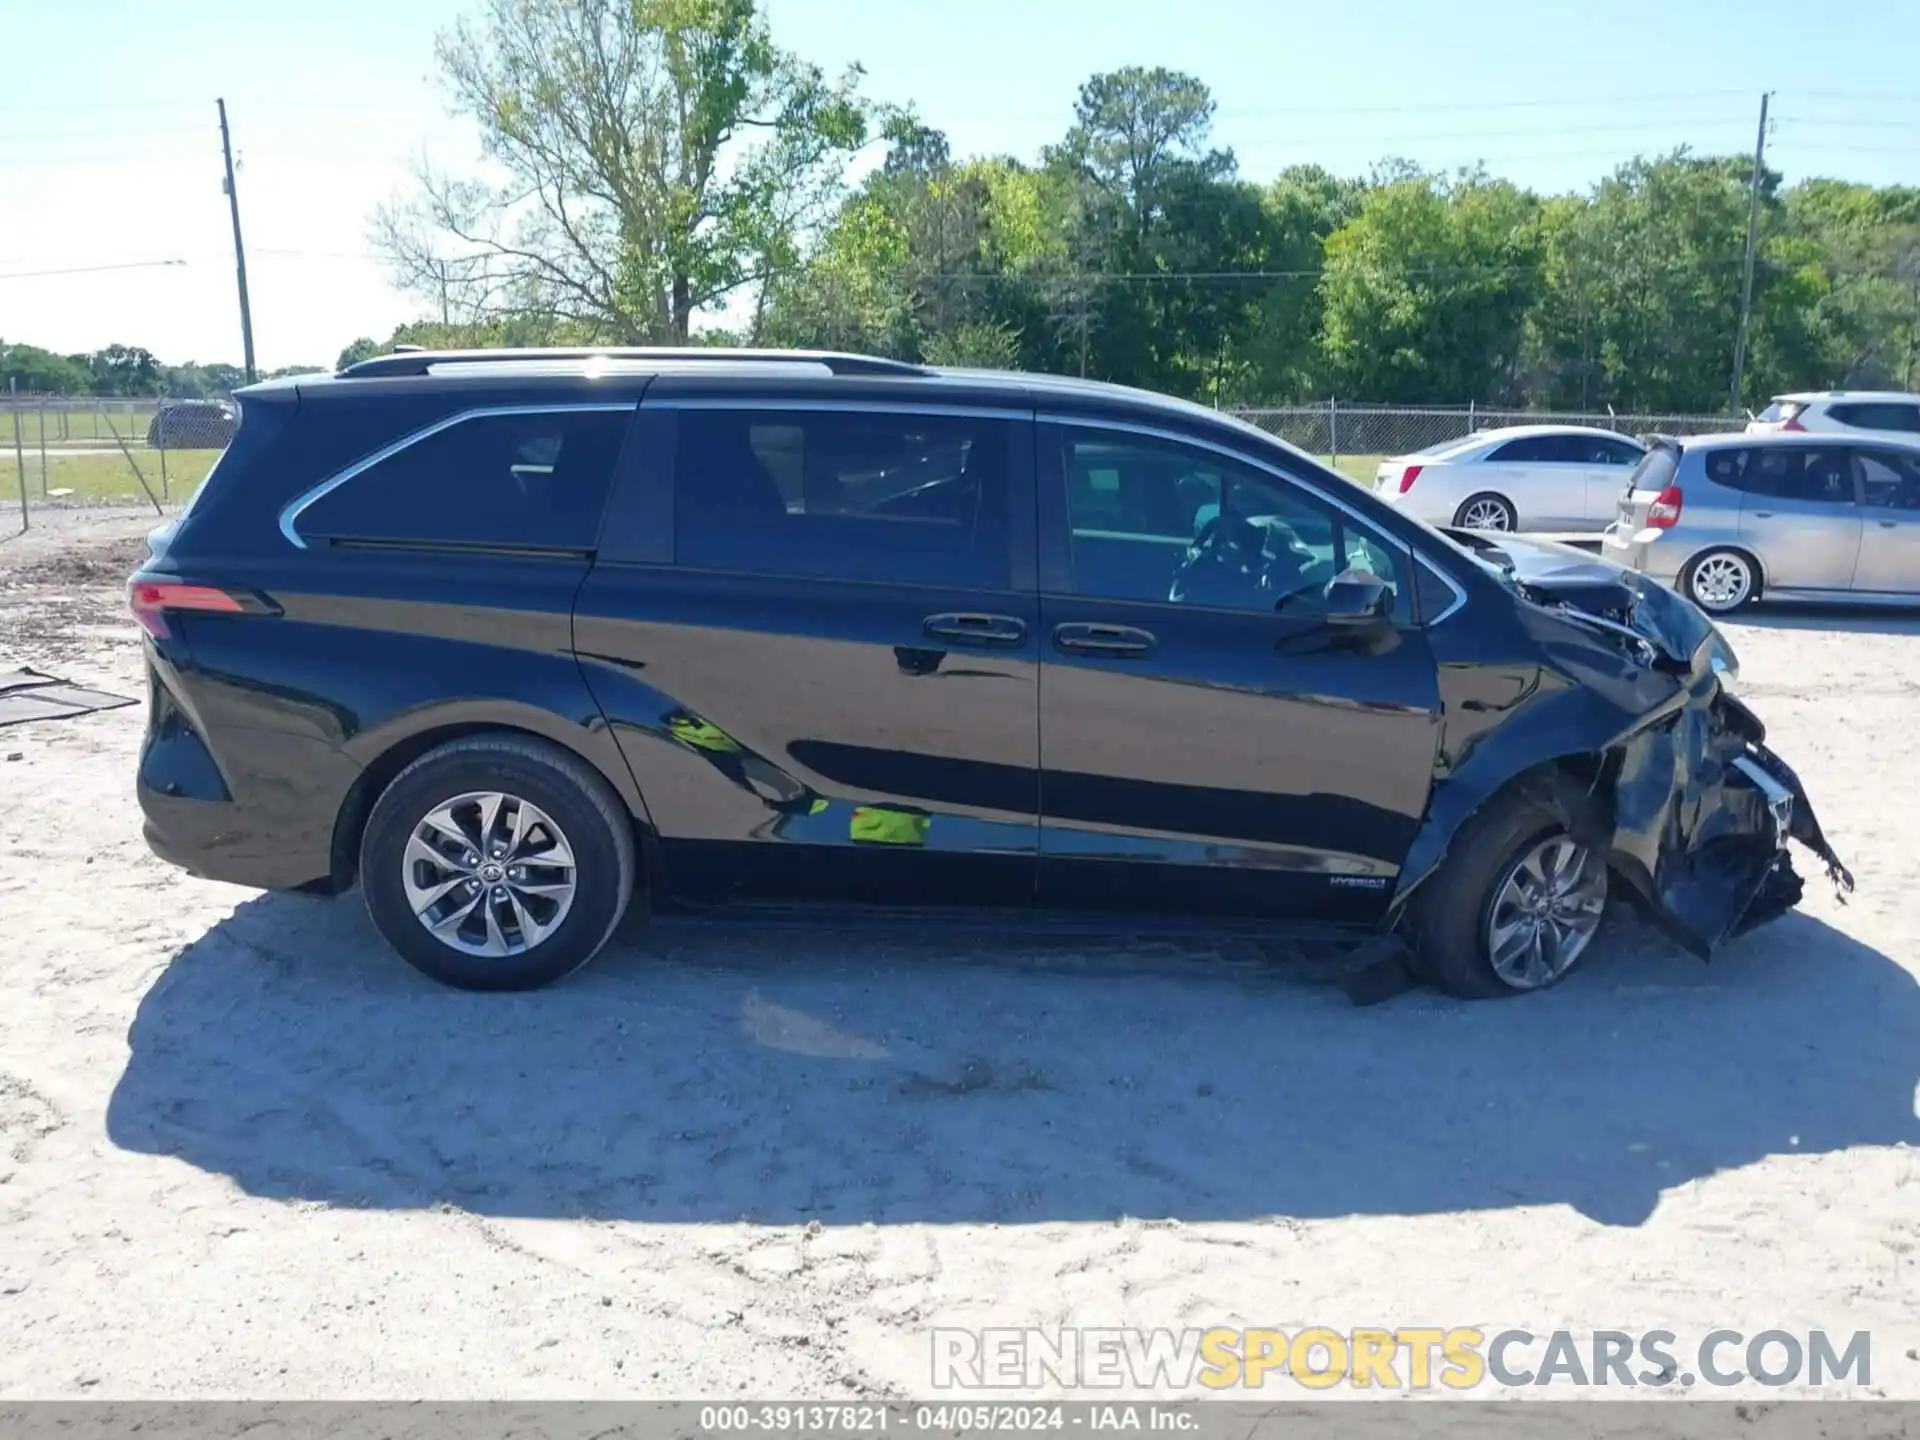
x: 489, y: 874
x: 1486, y: 514
x: 1545, y: 910
x: 1722, y: 581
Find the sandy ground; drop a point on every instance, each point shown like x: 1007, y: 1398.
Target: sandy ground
x: 247, y: 1153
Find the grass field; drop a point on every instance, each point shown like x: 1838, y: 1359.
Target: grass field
x: 78, y: 427
x: 1357, y: 468
x: 98, y: 477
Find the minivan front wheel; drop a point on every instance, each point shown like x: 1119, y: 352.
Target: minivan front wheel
x: 1721, y: 581
x: 1514, y: 906
x: 497, y: 862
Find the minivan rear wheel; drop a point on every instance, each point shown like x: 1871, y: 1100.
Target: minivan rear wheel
x: 1721, y: 581
x: 497, y: 862
x: 1513, y: 907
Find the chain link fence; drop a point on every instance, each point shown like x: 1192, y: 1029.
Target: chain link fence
x: 91, y: 450
x: 62, y: 450
x: 1356, y: 437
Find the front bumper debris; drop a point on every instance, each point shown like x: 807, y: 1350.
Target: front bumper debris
x: 1699, y: 818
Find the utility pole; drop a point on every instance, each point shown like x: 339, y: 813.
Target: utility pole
x: 239, y: 251
x: 1753, y: 228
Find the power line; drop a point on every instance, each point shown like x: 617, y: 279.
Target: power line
x: 91, y: 269
x: 1823, y: 147
x: 56, y: 136
x: 1876, y: 123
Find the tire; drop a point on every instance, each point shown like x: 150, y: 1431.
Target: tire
x: 1497, y: 512
x: 564, y: 810
x: 1721, y: 581
x: 1452, y: 915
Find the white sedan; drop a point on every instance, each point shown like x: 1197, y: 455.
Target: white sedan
x: 1525, y: 477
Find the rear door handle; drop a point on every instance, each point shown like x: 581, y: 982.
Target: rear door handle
x: 1763, y: 514
x: 1888, y: 524
x: 1118, y: 641
x: 977, y: 629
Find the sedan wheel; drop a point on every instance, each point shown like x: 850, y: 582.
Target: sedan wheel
x: 1544, y: 912
x: 1721, y: 581
x: 1486, y: 512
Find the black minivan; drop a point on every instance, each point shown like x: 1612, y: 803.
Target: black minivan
x: 518, y: 639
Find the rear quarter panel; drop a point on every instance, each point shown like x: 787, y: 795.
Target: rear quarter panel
x: 369, y: 655
x: 1436, y: 494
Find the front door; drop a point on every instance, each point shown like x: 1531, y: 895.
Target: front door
x: 1207, y: 744
x: 1890, y: 522
x: 1799, y: 515
x: 831, y: 692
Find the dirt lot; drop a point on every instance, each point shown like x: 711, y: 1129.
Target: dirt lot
x: 247, y: 1153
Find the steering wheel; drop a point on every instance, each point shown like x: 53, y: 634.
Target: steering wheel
x: 1225, y: 561
x: 1230, y: 563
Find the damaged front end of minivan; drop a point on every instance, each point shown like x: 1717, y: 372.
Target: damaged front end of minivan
x: 1628, y: 693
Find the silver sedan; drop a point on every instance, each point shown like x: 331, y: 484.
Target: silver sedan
x: 1524, y: 477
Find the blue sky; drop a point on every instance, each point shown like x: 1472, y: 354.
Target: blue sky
x: 109, y: 152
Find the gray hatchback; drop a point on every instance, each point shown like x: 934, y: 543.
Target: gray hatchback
x: 1726, y: 519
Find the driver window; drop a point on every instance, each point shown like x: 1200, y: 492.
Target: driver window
x: 1155, y: 520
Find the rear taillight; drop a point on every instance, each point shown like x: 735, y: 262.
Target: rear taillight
x: 151, y: 599
x: 1408, y: 476
x: 1664, y: 513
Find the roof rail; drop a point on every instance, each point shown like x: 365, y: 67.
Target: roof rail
x: 421, y: 362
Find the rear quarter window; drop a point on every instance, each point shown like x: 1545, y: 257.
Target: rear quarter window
x: 523, y: 480
x: 1879, y: 415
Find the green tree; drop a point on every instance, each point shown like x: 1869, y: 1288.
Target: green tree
x: 1868, y: 243
x: 124, y: 370
x: 365, y: 348
x: 41, y: 372
x: 1642, y: 288
x: 1280, y: 351
x: 929, y: 260
x: 1160, y: 235
x: 658, y: 156
x: 1427, y: 288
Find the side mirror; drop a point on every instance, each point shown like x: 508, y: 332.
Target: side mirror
x: 1356, y: 599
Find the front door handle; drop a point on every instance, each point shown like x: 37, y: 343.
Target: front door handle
x: 977, y: 629
x: 1888, y: 524
x: 1118, y: 641
x: 1763, y: 514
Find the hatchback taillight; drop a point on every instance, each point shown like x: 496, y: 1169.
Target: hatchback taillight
x: 1664, y: 513
x: 151, y: 599
x: 1408, y: 476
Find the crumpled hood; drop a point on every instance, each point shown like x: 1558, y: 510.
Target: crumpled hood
x: 1553, y: 573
